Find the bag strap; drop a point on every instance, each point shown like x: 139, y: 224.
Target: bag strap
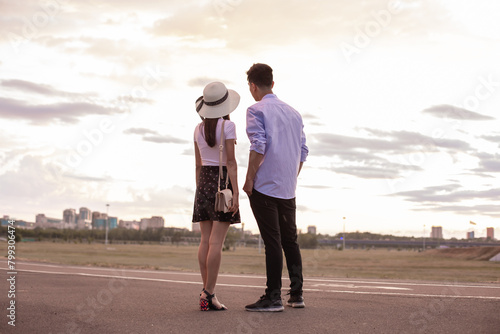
x: 221, y: 148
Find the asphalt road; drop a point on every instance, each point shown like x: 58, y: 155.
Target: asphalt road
x: 68, y: 299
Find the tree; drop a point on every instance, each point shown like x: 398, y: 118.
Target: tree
x: 231, y: 237
x: 176, y: 238
x: 308, y: 240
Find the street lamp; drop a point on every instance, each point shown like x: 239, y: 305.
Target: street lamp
x: 107, y: 222
x: 343, y: 238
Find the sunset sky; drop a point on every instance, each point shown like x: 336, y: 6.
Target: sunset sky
x: 400, y: 101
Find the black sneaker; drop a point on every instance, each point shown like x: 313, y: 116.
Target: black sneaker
x: 296, y: 301
x: 265, y: 304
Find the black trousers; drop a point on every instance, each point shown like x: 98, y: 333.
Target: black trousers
x: 276, y: 220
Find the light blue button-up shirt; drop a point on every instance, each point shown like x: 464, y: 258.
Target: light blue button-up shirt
x: 275, y: 130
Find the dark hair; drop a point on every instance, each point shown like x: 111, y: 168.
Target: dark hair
x: 209, y: 127
x: 261, y: 75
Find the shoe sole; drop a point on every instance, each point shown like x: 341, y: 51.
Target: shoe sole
x: 275, y: 309
x: 296, y: 305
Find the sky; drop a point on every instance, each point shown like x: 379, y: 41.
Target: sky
x: 400, y: 102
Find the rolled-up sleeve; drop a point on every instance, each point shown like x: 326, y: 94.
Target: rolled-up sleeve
x: 256, y: 131
x: 304, y: 149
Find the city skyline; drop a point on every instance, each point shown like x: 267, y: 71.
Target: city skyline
x: 436, y: 232
x: 400, y: 103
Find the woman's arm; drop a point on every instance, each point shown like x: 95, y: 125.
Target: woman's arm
x: 198, y: 162
x: 232, y: 171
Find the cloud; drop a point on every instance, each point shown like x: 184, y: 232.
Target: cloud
x: 165, y: 139
x: 154, y: 137
x: 34, y: 184
x: 41, y: 89
x: 139, y: 131
x: 157, y: 202
x: 203, y: 81
x: 315, y: 186
x: 451, y: 112
x: 231, y: 24
x: 442, y: 199
x: 381, y: 171
x: 488, y: 163
x: 490, y: 210
x: 492, y: 138
x: 41, y: 114
x: 368, y: 158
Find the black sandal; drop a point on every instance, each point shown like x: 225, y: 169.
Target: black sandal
x: 207, y: 304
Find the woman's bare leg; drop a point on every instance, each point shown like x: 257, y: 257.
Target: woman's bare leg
x: 217, y: 237
x: 206, y: 231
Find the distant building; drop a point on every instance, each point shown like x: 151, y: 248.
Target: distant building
x: 113, y: 222
x: 490, y: 233
x: 69, y: 219
x: 18, y: 223
x: 195, y: 227
x: 311, y: 229
x: 470, y: 235
x: 154, y: 222
x: 85, y: 214
x: 46, y: 222
x: 437, y: 232
x: 100, y: 223
x: 99, y: 220
x: 130, y: 224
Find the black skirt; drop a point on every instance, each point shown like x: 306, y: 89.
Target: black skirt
x: 204, y: 201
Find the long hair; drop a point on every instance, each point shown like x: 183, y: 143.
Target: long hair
x: 209, y: 128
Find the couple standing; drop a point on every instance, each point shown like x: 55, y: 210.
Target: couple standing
x: 277, y: 152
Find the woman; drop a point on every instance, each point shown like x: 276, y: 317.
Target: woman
x: 214, y: 107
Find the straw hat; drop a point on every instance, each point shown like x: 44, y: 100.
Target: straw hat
x: 217, y: 101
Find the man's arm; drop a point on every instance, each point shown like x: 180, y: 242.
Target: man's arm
x: 254, y: 161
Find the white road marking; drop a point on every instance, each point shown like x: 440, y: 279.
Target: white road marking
x: 455, y: 285
x: 352, y: 286
x: 260, y: 287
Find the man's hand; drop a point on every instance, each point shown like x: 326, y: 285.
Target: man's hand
x: 248, y: 187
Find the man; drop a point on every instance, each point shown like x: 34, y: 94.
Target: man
x: 277, y: 151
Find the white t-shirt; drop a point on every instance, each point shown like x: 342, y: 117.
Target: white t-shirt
x: 210, y: 155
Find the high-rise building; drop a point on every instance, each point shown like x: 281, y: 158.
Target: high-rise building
x: 69, y: 218
x: 99, y: 220
x: 470, y: 235
x: 85, y: 213
x: 437, y: 232
x: 490, y: 233
x: 84, y: 220
x: 112, y: 222
x: 311, y: 229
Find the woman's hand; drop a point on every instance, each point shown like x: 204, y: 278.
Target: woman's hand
x: 236, y: 204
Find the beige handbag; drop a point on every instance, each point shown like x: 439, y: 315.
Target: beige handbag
x: 223, y: 198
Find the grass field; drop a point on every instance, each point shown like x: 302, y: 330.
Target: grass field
x: 380, y: 263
